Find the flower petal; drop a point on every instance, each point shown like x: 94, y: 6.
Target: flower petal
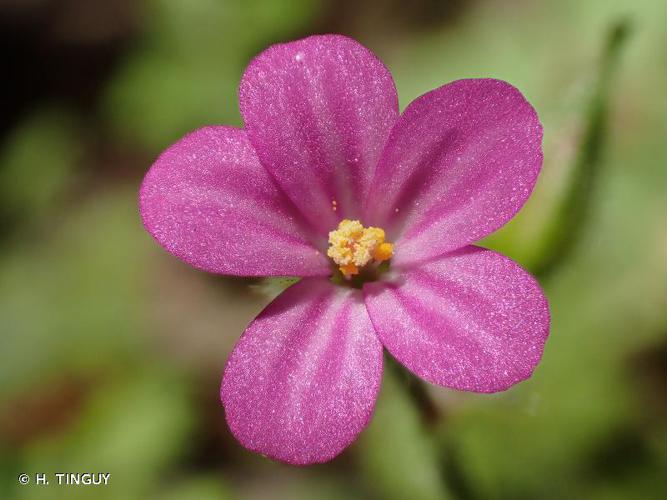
x: 459, y: 164
x: 209, y: 201
x: 473, y: 320
x: 301, y: 383
x: 319, y: 111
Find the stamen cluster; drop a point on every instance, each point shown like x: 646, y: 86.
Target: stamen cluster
x: 352, y: 246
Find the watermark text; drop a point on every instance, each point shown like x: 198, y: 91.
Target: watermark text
x: 66, y: 478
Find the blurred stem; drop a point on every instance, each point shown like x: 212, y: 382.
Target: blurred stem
x: 398, y: 455
x: 416, y: 390
x: 571, y: 215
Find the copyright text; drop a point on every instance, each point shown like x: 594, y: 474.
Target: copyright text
x: 66, y: 478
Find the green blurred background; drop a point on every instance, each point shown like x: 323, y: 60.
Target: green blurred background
x: 111, y: 350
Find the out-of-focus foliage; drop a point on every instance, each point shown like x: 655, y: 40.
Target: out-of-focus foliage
x: 121, y: 430
x: 54, y: 309
x: 567, y: 211
x: 38, y: 164
x: 397, y: 455
x: 186, y: 69
x: 111, y: 350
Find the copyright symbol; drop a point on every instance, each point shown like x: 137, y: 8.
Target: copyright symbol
x: 24, y: 478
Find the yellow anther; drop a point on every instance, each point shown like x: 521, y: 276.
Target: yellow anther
x: 383, y: 252
x: 349, y: 269
x: 352, y: 246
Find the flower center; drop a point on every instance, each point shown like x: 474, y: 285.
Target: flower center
x: 352, y: 246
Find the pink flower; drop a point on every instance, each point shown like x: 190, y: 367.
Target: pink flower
x: 324, y: 143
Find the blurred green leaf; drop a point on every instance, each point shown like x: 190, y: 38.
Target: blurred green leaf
x: 544, y: 233
x: 570, y: 217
